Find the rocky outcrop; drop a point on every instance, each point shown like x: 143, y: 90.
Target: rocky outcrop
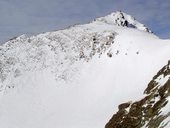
x: 149, y: 112
x: 124, y: 20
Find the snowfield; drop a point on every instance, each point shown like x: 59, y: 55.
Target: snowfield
x: 76, y: 78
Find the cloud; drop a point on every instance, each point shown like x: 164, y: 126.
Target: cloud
x: 36, y: 16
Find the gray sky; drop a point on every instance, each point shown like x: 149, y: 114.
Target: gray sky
x: 35, y: 16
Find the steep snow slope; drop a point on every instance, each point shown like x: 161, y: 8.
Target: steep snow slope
x: 76, y: 77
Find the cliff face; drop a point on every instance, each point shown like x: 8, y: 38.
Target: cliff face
x: 149, y: 112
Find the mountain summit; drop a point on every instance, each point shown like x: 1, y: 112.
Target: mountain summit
x: 78, y: 76
x: 122, y: 19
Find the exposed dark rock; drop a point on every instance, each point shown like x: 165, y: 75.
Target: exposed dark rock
x: 109, y: 54
x: 146, y: 112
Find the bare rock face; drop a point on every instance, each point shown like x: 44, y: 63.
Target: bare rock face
x: 149, y: 112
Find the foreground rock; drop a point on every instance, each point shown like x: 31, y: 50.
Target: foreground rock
x: 149, y: 112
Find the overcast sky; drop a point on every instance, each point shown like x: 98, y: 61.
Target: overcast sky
x: 35, y: 16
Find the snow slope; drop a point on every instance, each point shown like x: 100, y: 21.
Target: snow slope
x: 76, y: 77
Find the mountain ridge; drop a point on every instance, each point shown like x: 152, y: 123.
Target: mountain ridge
x: 115, y: 16
x: 122, y: 19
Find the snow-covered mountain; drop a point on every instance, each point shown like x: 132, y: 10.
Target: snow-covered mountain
x: 77, y: 77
